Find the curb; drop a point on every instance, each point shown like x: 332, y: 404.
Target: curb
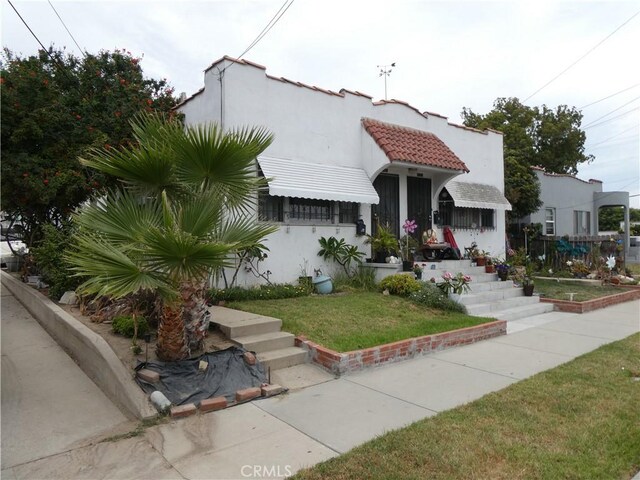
x: 88, y: 349
x: 595, y: 304
x: 356, y: 360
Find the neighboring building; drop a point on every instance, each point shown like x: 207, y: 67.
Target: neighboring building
x: 338, y: 157
x: 570, y: 205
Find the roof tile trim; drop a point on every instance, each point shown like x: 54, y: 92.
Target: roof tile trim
x: 405, y: 144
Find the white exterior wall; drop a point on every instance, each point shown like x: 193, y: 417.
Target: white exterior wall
x: 316, y: 127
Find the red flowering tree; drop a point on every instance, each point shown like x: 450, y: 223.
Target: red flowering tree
x: 56, y: 106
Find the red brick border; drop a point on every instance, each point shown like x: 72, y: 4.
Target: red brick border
x: 341, y: 363
x: 633, y: 293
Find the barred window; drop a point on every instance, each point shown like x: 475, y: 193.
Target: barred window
x: 349, y: 212
x: 462, y: 217
x: 270, y: 209
x: 310, y: 209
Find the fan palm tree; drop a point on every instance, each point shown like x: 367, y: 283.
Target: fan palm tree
x: 182, y: 208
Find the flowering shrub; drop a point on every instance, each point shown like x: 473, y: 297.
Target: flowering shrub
x: 402, y: 285
x: 432, y: 297
x: 454, y: 284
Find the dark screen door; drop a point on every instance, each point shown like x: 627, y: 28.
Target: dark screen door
x: 419, y: 203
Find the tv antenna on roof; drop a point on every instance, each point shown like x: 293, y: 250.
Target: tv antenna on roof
x: 386, y: 71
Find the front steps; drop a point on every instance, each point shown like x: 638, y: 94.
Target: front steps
x: 256, y: 333
x: 488, y: 297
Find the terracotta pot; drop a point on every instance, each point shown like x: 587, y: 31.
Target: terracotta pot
x: 480, y: 261
x: 489, y: 269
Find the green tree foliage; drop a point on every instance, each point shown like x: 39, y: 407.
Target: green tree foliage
x: 533, y: 136
x: 609, y: 218
x: 180, y: 211
x: 56, y: 106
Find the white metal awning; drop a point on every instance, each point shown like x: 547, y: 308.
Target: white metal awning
x: 289, y: 178
x: 477, y: 195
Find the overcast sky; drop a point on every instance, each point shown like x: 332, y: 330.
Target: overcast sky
x: 448, y: 54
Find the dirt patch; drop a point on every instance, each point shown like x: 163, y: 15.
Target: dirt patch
x: 121, y: 346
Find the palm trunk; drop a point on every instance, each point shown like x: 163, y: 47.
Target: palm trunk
x: 172, y: 339
x: 195, y: 314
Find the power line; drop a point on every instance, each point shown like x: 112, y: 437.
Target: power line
x: 579, y: 59
x: 65, y: 27
x: 612, y: 111
x: 608, y: 97
x: 269, y: 26
x: 34, y: 35
x: 613, y: 136
x: 612, y: 118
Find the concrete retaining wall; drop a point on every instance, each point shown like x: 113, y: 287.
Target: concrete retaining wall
x: 88, y: 349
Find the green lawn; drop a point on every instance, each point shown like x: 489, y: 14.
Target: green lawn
x: 356, y: 320
x: 579, y: 421
x: 583, y: 291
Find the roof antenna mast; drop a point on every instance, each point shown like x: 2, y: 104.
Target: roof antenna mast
x: 386, y: 71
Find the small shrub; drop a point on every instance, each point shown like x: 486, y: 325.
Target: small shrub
x: 400, y: 284
x: 124, y: 326
x: 431, y: 296
x: 263, y: 292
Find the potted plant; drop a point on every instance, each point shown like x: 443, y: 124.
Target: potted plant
x: 489, y: 267
x: 480, y: 258
x: 383, y: 243
x: 503, y: 270
x: 527, y: 286
x: 417, y: 269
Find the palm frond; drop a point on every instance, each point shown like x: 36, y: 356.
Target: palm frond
x: 120, y: 216
x: 112, y: 272
x: 243, y: 232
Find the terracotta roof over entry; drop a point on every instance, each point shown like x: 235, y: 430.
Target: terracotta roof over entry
x: 404, y: 144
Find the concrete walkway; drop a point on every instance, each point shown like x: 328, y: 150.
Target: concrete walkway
x: 275, y: 437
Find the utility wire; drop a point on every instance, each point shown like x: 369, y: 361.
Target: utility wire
x: 65, y: 27
x: 579, y: 59
x: 612, y: 137
x: 269, y: 25
x: 612, y: 111
x: 612, y: 118
x: 608, y: 97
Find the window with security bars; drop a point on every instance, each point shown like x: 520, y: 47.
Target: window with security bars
x: 348, y: 212
x: 310, y: 210
x: 462, y: 217
x: 270, y: 209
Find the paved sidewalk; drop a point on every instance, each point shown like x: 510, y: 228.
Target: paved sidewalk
x: 275, y: 437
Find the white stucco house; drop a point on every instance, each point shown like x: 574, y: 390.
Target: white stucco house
x: 570, y: 205
x: 338, y: 157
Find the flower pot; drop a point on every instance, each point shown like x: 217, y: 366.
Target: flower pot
x: 407, y: 266
x: 418, y: 275
x: 489, y: 269
x: 481, y: 261
x: 528, y: 290
x: 323, y: 284
x: 503, y: 275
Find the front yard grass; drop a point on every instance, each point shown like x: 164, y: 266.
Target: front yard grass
x: 583, y: 291
x: 355, y: 320
x: 580, y: 420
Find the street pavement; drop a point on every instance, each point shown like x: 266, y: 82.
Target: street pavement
x: 269, y: 438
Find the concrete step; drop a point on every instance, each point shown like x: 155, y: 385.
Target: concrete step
x: 282, y: 358
x: 235, y: 323
x: 521, y: 312
x: 484, y: 309
x: 476, y: 277
x: 489, y: 296
x: 490, y: 286
x: 264, y: 342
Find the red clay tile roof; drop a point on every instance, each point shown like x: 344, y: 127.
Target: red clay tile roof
x: 403, y: 144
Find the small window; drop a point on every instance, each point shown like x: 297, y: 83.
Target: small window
x: 550, y: 221
x: 348, y: 212
x: 582, y: 222
x: 270, y: 208
x: 306, y: 209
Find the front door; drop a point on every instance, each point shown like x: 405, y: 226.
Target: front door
x: 387, y: 212
x: 419, y: 203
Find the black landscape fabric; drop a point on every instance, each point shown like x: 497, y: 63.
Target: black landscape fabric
x: 183, y: 382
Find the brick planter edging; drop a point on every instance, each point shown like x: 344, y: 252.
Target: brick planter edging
x: 341, y: 363
x: 595, y: 304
